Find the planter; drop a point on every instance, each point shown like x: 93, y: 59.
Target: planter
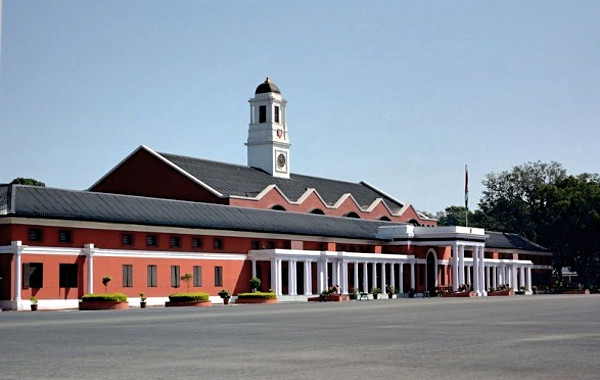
x: 34, y: 307
x: 392, y: 295
x: 332, y: 298
x: 353, y: 296
x: 225, y: 301
x: 256, y: 300
x: 143, y: 304
x: 376, y: 296
x: 103, y: 305
x: 459, y: 294
x: 501, y: 293
x: 576, y: 291
x: 188, y: 303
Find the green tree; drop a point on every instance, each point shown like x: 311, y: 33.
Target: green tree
x: 187, y: 278
x: 455, y: 216
x: 27, y: 181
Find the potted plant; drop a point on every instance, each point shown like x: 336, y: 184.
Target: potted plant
x: 376, y: 292
x: 225, y: 295
x: 411, y: 293
x: 142, y: 300
x: 255, y: 284
x: 390, y: 290
x: 34, y: 303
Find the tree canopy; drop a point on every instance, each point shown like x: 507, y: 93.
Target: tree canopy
x: 27, y: 181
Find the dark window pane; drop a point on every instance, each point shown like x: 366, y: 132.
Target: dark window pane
x: 151, y: 240
x: 175, y: 278
x: 276, y: 114
x: 151, y: 276
x: 262, y: 114
x: 127, y: 239
x: 175, y: 241
x: 64, y: 236
x: 196, y: 242
x: 197, y: 276
x: 35, y: 234
x: 218, y: 276
x: 218, y: 243
x: 33, y: 275
x: 127, y: 276
x: 67, y: 276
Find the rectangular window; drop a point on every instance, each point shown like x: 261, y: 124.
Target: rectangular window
x: 151, y: 282
x: 33, y: 275
x: 35, y: 234
x: 175, y: 242
x: 218, y: 276
x: 255, y: 244
x: 270, y: 245
x: 67, y: 276
x: 197, y: 276
x: 218, y: 243
x: 196, y: 242
x: 127, y: 276
x: 276, y: 114
x: 127, y: 240
x: 175, y: 277
x: 262, y: 114
x: 151, y: 240
x: 64, y: 236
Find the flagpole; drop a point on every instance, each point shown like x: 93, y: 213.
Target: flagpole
x: 466, y: 196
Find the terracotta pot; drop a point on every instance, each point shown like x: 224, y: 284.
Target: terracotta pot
x: 34, y: 307
x: 225, y: 301
x: 143, y: 304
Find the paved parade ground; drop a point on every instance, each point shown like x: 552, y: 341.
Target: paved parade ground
x: 536, y: 337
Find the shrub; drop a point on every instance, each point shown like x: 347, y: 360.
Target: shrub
x: 105, y: 281
x: 110, y: 297
x: 257, y: 295
x: 255, y: 283
x: 376, y: 291
x: 188, y: 297
x: 224, y: 294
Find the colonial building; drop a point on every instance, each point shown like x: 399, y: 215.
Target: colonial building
x: 156, y: 216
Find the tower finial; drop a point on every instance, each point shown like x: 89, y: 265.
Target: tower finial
x: 267, y: 80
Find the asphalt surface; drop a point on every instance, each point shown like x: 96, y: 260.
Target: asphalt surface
x: 535, y: 337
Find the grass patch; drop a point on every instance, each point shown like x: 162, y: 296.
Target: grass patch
x: 188, y: 297
x: 257, y: 296
x: 104, y: 297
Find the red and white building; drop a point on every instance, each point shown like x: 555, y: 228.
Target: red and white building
x: 156, y: 216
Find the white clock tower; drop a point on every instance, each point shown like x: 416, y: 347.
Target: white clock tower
x: 268, y: 143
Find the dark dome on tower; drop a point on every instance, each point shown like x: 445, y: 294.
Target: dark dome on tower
x: 266, y: 87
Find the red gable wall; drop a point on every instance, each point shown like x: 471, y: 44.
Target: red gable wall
x: 146, y: 175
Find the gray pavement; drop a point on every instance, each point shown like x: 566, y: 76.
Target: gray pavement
x: 537, y: 337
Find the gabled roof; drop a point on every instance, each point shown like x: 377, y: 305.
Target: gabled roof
x: 44, y: 202
x: 245, y: 181
x: 504, y: 240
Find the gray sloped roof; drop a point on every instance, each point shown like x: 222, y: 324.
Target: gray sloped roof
x: 504, y: 240
x: 245, y: 181
x: 44, y: 202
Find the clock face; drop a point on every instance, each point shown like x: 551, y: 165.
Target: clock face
x: 281, y: 160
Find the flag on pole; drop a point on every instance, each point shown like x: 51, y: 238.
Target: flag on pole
x: 466, y: 196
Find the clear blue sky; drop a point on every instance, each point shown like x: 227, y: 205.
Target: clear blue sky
x: 399, y: 94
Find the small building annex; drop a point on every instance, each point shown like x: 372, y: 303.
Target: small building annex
x: 156, y: 216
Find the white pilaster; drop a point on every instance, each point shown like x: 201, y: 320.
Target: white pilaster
x: 89, y: 251
x: 17, y: 248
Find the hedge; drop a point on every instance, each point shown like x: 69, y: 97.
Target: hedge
x: 257, y: 295
x: 188, y: 297
x: 104, y: 297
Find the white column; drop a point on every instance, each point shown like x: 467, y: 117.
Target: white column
x: 482, y: 286
x: 412, y: 275
x: 334, y: 273
x: 455, y: 282
x: 274, y: 275
x: 253, y: 268
x: 528, y: 286
x: 294, y: 264
x: 383, y: 277
x: 365, y: 278
x: 356, y: 275
x: 501, y: 275
x: 515, y: 284
x: 475, y: 283
x: 401, y: 278
x: 344, y: 265
x: 326, y: 274
x: 307, y: 277
x: 321, y: 275
x: 461, y: 264
x: 88, y: 250
x: 279, y: 277
x: 487, y: 278
x: 17, y: 248
x: 374, y: 273
x: 393, y: 275
x: 522, y: 276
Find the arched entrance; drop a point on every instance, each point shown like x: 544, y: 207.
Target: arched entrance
x: 431, y: 271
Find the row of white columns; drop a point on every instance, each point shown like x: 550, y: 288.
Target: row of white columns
x: 339, y: 275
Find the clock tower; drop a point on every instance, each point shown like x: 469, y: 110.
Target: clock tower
x: 268, y: 143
